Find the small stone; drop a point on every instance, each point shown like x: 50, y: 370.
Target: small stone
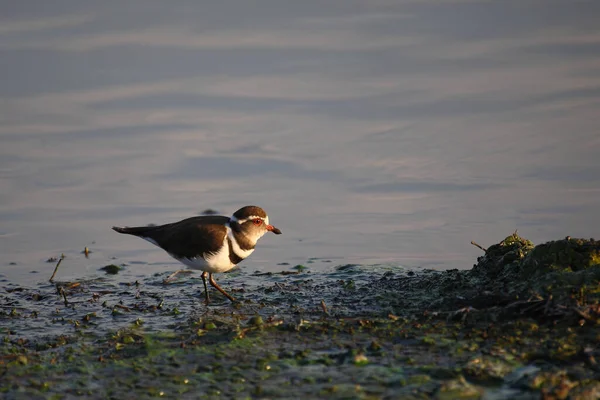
x: 111, y: 269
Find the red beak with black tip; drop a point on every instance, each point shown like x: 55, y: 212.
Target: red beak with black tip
x: 273, y: 229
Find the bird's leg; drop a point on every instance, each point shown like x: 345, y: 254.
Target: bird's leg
x: 205, y: 288
x: 174, y: 274
x: 214, y: 284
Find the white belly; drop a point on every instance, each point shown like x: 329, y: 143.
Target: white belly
x: 216, y: 262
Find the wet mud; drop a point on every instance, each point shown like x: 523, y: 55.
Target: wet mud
x: 523, y: 323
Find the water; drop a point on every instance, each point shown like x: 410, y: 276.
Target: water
x: 390, y: 132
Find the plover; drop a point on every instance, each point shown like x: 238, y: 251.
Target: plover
x: 210, y: 243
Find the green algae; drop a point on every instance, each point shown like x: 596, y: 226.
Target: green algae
x: 300, y: 268
x: 111, y: 269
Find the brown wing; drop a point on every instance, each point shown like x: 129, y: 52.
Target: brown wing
x: 191, y: 237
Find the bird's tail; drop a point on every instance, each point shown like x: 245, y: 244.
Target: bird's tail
x: 136, y: 231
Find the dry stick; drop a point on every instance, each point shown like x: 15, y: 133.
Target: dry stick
x: 535, y: 304
x: 64, y: 295
x: 583, y: 314
x: 476, y: 245
x: 547, y: 307
x: 62, y: 256
x: 324, y: 307
x: 271, y: 324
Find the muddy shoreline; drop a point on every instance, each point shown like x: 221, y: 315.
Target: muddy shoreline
x: 523, y: 323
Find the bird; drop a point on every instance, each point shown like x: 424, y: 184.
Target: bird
x: 209, y: 243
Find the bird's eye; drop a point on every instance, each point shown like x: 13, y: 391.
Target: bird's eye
x: 257, y: 221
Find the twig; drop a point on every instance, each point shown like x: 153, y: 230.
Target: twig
x: 547, y: 308
x: 73, y: 285
x: 517, y: 303
x: 271, y: 324
x: 534, y: 304
x: 583, y: 314
x: 476, y: 245
x: 62, y: 257
x: 324, y: 307
x: 64, y: 295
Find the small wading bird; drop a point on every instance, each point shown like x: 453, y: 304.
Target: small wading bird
x: 210, y: 243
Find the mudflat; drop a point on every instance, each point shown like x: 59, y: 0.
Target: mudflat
x: 523, y: 323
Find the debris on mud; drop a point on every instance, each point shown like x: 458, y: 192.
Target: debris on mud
x: 552, y: 281
x: 522, y: 323
x: 111, y: 269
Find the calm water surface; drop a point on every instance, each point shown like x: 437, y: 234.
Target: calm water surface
x: 390, y: 132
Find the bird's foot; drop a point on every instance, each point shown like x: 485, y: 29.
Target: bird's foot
x: 172, y: 277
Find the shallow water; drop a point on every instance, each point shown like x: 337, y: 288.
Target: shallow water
x: 118, y: 301
x: 393, y: 132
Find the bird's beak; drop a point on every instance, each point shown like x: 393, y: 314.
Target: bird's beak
x: 273, y: 229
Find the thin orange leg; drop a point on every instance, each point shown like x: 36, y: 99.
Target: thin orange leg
x: 214, y: 284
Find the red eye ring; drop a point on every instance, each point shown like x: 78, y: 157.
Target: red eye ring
x: 257, y: 221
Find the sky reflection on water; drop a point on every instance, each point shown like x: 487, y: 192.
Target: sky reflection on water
x: 380, y: 131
